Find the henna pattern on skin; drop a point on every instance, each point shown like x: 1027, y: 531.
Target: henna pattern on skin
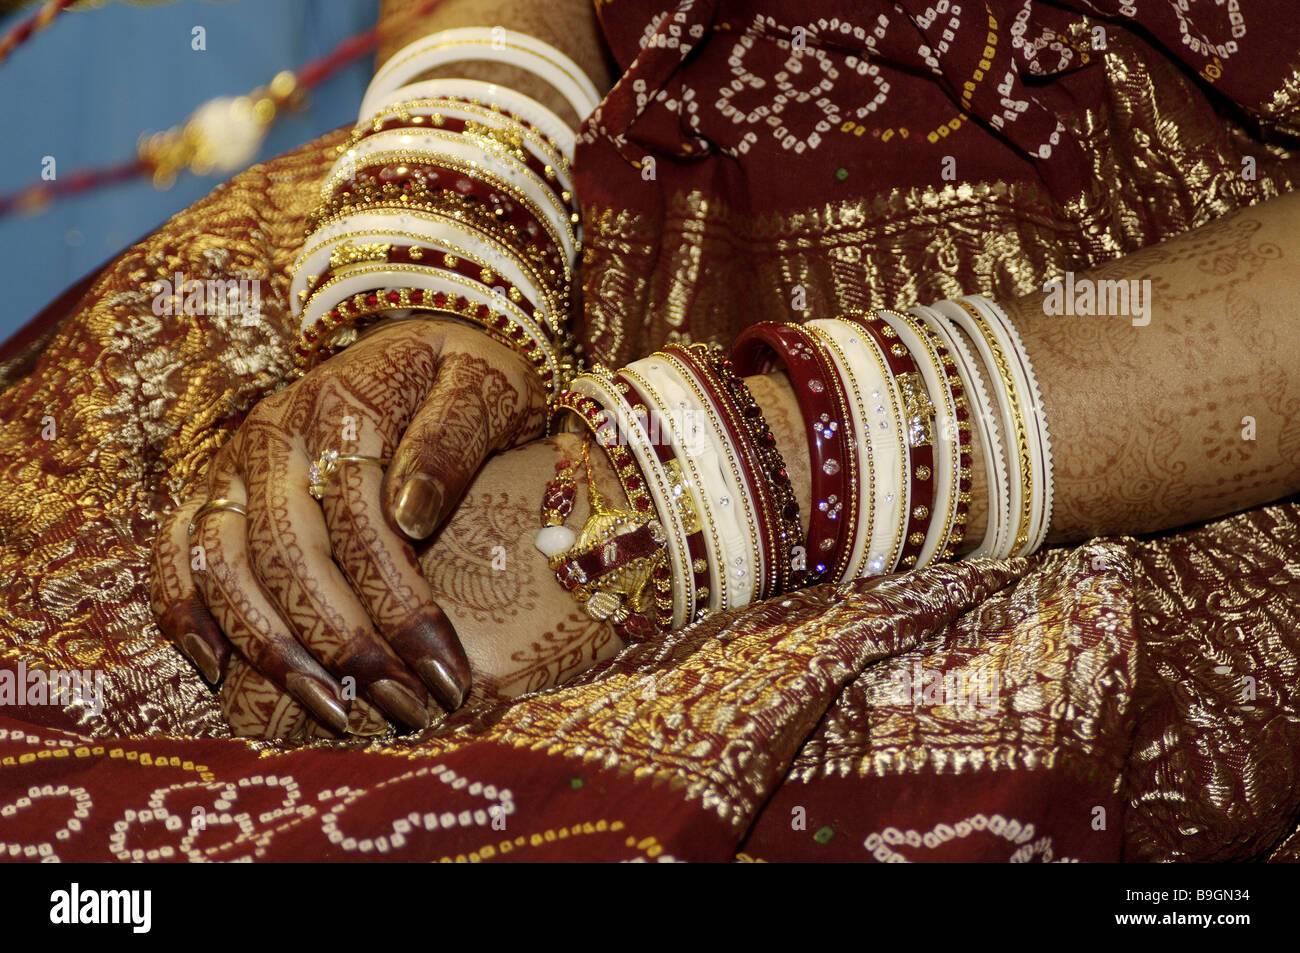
x: 1147, y: 421
x: 575, y: 644
x: 256, y: 707
x: 460, y: 567
x: 382, y: 383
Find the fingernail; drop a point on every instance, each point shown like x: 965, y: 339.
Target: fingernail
x: 418, y: 506
x: 446, y: 689
x: 396, y: 699
x: 201, y: 656
x: 319, y: 701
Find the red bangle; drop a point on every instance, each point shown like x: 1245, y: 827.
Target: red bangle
x: 765, y: 470
x: 823, y: 403
x: 920, y: 435
x: 448, y: 261
x: 353, y: 311
x: 965, y: 451
x: 430, y: 176
x: 952, y: 529
x: 457, y: 125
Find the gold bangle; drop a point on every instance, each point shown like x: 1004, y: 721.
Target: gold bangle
x: 541, y: 354
x: 943, y: 378
x: 548, y: 294
x: 439, y: 203
x: 404, y: 112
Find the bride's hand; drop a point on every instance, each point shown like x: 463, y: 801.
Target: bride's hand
x: 324, y: 600
x: 521, y: 630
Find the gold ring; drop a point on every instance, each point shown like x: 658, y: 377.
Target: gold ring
x: 328, y: 463
x: 212, y: 506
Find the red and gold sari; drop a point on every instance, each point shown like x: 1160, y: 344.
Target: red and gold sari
x: 753, y: 157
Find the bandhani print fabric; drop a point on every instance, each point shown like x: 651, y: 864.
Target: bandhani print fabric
x: 1084, y: 704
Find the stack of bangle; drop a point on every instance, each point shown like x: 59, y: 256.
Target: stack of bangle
x: 1020, y: 491
x: 886, y: 399
x: 695, y: 457
x: 451, y: 196
x: 713, y: 523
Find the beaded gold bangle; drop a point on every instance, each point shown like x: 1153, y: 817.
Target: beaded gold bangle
x: 468, y: 209
x: 471, y: 179
x: 374, y: 240
x: 499, y: 172
x: 408, y: 111
x: 347, y: 256
x: 476, y: 123
x: 319, y: 337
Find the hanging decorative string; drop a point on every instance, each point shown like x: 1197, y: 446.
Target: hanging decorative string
x: 33, y: 24
x: 220, y: 137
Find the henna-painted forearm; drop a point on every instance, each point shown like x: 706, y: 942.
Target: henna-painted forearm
x: 1192, y: 410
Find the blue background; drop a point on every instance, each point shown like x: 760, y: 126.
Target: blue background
x: 85, y: 88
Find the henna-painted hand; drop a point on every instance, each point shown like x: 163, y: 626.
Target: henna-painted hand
x: 326, y: 600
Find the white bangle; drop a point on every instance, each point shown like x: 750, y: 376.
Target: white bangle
x: 668, y: 424
x: 628, y: 428
x: 424, y: 226
x: 744, y: 564
x: 439, y: 110
x: 382, y: 277
x: 498, y: 45
x: 995, y: 463
x: 549, y: 125
x: 1020, y: 408
x: 1037, y: 422
x: 881, y: 434
x: 945, y: 439
x: 316, y: 259
x: 699, y: 444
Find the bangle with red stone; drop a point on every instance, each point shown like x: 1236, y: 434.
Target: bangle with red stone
x: 952, y: 473
x: 492, y: 280
x: 472, y: 129
x: 425, y: 181
x: 322, y: 338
